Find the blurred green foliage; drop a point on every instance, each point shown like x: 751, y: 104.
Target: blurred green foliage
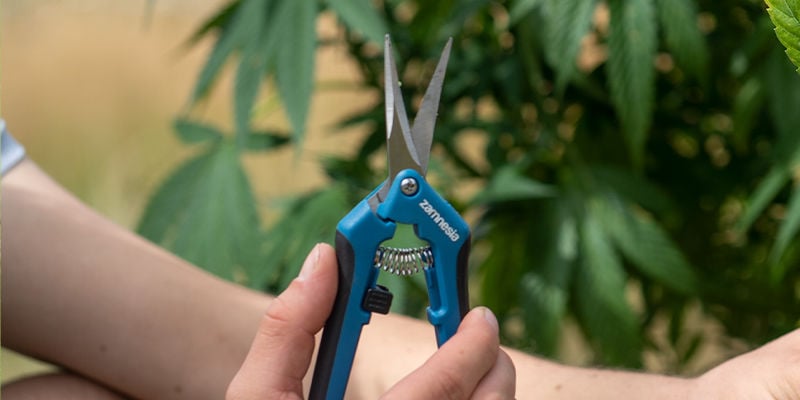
x: 638, y: 157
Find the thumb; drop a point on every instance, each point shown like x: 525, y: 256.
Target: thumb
x: 459, y: 365
x: 282, y: 349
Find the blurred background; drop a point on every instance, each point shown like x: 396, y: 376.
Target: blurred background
x: 629, y: 167
x: 91, y: 89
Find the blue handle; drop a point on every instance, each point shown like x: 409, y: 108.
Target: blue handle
x: 358, y: 236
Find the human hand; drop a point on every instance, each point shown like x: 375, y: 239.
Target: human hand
x: 769, y: 372
x: 469, y: 366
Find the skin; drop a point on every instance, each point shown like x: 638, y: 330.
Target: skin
x: 126, y: 318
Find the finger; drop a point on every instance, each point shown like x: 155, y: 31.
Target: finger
x: 500, y: 382
x: 457, y: 367
x: 281, y: 351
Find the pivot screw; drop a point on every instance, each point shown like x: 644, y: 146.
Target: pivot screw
x: 409, y: 186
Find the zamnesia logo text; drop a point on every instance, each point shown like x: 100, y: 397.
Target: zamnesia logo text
x: 437, y: 218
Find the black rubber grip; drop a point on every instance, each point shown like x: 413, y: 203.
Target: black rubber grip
x: 462, y: 277
x: 333, y: 326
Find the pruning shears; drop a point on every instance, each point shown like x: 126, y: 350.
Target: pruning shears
x: 404, y: 198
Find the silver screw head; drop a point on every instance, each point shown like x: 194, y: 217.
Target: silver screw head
x: 409, y: 186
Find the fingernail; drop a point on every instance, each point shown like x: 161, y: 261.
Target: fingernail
x: 490, y: 318
x: 310, y: 264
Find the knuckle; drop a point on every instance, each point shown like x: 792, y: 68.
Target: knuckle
x: 277, y: 322
x: 278, y: 312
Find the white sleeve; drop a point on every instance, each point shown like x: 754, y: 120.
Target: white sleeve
x: 11, y: 152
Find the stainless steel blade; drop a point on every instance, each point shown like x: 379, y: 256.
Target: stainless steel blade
x: 425, y: 121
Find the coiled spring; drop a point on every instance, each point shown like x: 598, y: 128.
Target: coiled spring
x: 403, y: 261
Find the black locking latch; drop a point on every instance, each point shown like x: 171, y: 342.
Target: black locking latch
x: 378, y: 299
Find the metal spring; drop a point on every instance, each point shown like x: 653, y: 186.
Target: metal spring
x: 403, y: 261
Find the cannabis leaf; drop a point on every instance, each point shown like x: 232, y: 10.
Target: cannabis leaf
x: 632, y: 44
x: 569, y: 21
x: 785, y: 14
x: 682, y: 35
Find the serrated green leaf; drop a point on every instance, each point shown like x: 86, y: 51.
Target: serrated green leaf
x: 168, y: 203
x: 632, y: 47
x: 633, y: 187
x: 504, y: 265
x: 794, y: 55
x: 219, y: 20
x: 544, y: 306
x: 435, y: 21
x: 508, y: 184
x: 193, y: 132
x: 251, y: 70
x: 603, y: 310
x: 786, y: 33
x: 647, y: 246
x: 785, y: 14
x: 205, y: 213
x: 246, y: 84
x: 519, y: 248
x: 545, y: 288
x: 294, y: 59
x: 567, y: 23
x: 307, y: 220
x: 362, y: 17
x: 683, y: 36
x: 231, y: 37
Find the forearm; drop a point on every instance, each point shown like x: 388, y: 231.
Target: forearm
x: 542, y: 379
x: 86, y: 294
x: 392, y: 346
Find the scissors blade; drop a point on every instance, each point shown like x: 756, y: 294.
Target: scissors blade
x: 425, y: 121
x: 400, y: 144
